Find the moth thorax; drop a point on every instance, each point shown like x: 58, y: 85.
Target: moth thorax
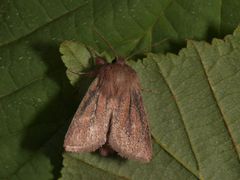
x: 117, y: 79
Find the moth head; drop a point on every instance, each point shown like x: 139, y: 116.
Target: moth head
x: 119, y: 60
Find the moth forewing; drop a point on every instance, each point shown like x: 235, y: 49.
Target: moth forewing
x: 90, y: 124
x: 130, y: 132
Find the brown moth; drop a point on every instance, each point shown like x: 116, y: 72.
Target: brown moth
x: 111, y: 116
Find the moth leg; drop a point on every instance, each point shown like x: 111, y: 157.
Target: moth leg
x: 76, y: 72
x: 97, y: 58
x: 146, y: 89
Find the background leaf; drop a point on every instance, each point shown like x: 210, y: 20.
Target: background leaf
x: 193, y: 111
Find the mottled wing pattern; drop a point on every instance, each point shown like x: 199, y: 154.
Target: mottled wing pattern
x: 90, y: 124
x: 129, y: 131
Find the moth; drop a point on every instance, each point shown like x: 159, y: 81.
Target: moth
x: 111, y: 116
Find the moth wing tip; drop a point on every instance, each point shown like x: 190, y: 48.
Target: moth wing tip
x: 144, y: 158
x: 86, y: 147
x: 141, y: 159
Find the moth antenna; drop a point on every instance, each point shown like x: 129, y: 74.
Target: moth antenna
x: 105, y: 41
x: 145, y: 48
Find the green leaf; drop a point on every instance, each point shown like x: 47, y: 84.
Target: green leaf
x: 190, y: 113
x: 37, y: 101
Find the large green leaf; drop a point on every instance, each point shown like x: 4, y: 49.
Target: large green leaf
x: 193, y: 112
x: 190, y: 112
